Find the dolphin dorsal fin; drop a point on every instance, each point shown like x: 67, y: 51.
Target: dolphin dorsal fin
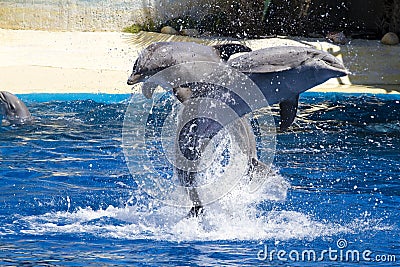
x: 288, y: 110
x: 227, y: 50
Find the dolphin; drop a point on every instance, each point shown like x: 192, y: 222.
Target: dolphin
x: 161, y: 55
x: 283, y: 72
x: 196, y: 135
x: 13, y: 109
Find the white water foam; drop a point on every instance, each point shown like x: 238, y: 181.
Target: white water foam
x: 234, y: 217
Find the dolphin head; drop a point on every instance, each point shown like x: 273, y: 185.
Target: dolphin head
x: 13, y: 109
x: 136, y: 75
x: 326, y: 66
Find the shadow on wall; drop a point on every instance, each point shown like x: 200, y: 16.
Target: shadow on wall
x: 373, y: 63
x: 238, y: 18
x: 105, y: 15
x: 234, y: 18
x: 368, y: 19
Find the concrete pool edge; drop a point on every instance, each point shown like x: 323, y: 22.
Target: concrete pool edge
x: 100, y: 62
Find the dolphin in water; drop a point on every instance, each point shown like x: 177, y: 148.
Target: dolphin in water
x: 196, y: 135
x: 281, y: 73
x: 13, y: 109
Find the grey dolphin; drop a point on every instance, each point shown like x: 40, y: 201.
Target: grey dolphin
x: 283, y: 72
x: 160, y: 55
x: 14, y: 110
x: 195, y: 135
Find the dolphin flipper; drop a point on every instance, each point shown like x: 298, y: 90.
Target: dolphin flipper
x: 287, y: 111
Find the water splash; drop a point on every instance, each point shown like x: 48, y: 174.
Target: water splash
x: 234, y: 217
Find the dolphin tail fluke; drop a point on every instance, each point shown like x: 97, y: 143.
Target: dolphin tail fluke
x: 197, y: 208
x: 188, y: 179
x: 288, y: 110
x: 195, y: 211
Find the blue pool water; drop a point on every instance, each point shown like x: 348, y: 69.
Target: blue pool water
x: 68, y: 199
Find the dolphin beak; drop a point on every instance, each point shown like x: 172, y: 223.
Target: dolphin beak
x: 134, y: 78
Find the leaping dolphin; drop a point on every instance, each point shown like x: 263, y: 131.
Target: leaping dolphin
x: 283, y: 72
x: 161, y: 55
x: 195, y: 136
x: 13, y: 109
